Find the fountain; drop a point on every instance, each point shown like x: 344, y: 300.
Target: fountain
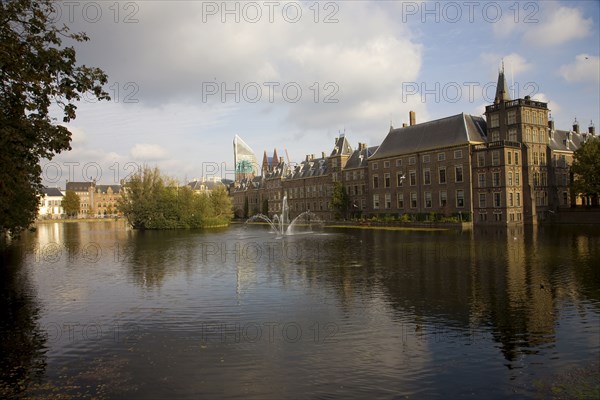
x: 281, y: 225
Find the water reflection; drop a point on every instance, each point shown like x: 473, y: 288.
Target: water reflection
x: 352, y: 312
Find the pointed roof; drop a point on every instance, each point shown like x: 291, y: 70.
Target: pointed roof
x: 502, y: 89
x: 342, y: 147
x: 445, y: 132
x: 275, y: 158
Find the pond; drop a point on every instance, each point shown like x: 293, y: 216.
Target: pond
x: 96, y: 310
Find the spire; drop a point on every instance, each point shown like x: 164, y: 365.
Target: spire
x: 502, y: 93
x: 275, y: 161
x: 265, y: 164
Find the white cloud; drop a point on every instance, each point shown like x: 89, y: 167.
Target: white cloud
x: 557, y: 26
x: 552, y: 105
x: 148, y: 152
x: 585, y: 68
x: 513, y: 63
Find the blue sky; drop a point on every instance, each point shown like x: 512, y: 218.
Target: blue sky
x: 185, y: 76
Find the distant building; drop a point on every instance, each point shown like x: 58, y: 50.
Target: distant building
x: 513, y: 167
x: 96, y: 201
x: 205, y: 186
x: 244, y: 160
x: 51, y: 204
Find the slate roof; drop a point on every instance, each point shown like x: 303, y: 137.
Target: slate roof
x: 52, y: 192
x: 104, y: 188
x: 342, y: 147
x: 359, y: 158
x: 566, y: 140
x: 79, y: 186
x: 445, y: 132
x: 310, y: 168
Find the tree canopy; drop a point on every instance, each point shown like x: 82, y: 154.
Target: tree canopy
x: 151, y: 201
x: 586, y: 169
x: 37, y: 70
x: 340, y: 201
x: 70, y: 203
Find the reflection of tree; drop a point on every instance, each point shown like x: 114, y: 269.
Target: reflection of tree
x: 23, y: 342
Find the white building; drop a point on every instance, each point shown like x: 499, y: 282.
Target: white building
x: 51, y: 204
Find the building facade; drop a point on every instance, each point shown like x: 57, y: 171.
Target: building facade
x: 51, y: 204
x: 510, y: 168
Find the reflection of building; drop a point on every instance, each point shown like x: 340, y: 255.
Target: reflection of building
x: 510, y: 168
x: 51, y: 204
x: 244, y: 160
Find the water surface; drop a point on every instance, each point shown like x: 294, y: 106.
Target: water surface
x: 97, y: 310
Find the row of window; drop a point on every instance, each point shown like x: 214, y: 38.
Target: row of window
x: 412, y: 177
x: 512, y: 217
x: 514, y: 200
x: 510, y: 157
x: 496, y: 179
x: 412, y: 200
x: 412, y: 160
x: 530, y: 117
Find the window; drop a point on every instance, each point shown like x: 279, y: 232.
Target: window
x: 495, y: 158
x: 512, y: 135
x: 375, y: 181
x: 494, y: 121
x: 398, y: 163
x: 399, y: 179
x: 442, y: 175
x: 498, y: 216
x: 400, y: 200
x: 510, y: 200
x: 413, y: 200
x: 427, y: 177
x: 457, y: 154
x: 510, y: 179
x: 534, y: 137
x: 386, y: 164
x: 374, y: 166
x: 443, y: 198
x: 387, y: 182
x: 495, y: 136
x: 428, y: 202
x: 458, y: 173
x: 536, y: 179
x: 441, y: 156
x: 544, y: 179
x: 509, y: 158
x: 535, y: 158
x: 497, y: 200
x: 516, y: 158
x: 528, y: 134
x: 426, y: 158
x: 565, y: 198
x: 527, y: 116
x: 412, y: 160
x: 517, y: 178
x: 460, y: 198
x: 542, y: 158
x: 512, y: 117
x: 481, y: 180
x: 496, y: 179
x: 482, y: 198
x: 375, y: 202
x: 481, y: 159
x: 388, y: 201
x: 412, y: 178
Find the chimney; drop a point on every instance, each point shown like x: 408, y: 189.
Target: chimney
x: 322, y: 154
x: 551, y: 128
x: 412, y: 116
x: 307, y: 157
x: 312, y: 157
x: 592, y: 128
x: 576, y: 126
x: 404, y: 125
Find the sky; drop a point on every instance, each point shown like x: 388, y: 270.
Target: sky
x: 186, y: 76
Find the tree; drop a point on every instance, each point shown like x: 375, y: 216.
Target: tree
x: 586, y: 170
x: 151, y: 201
x: 37, y: 70
x: 246, y: 207
x: 340, y: 201
x: 70, y: 203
